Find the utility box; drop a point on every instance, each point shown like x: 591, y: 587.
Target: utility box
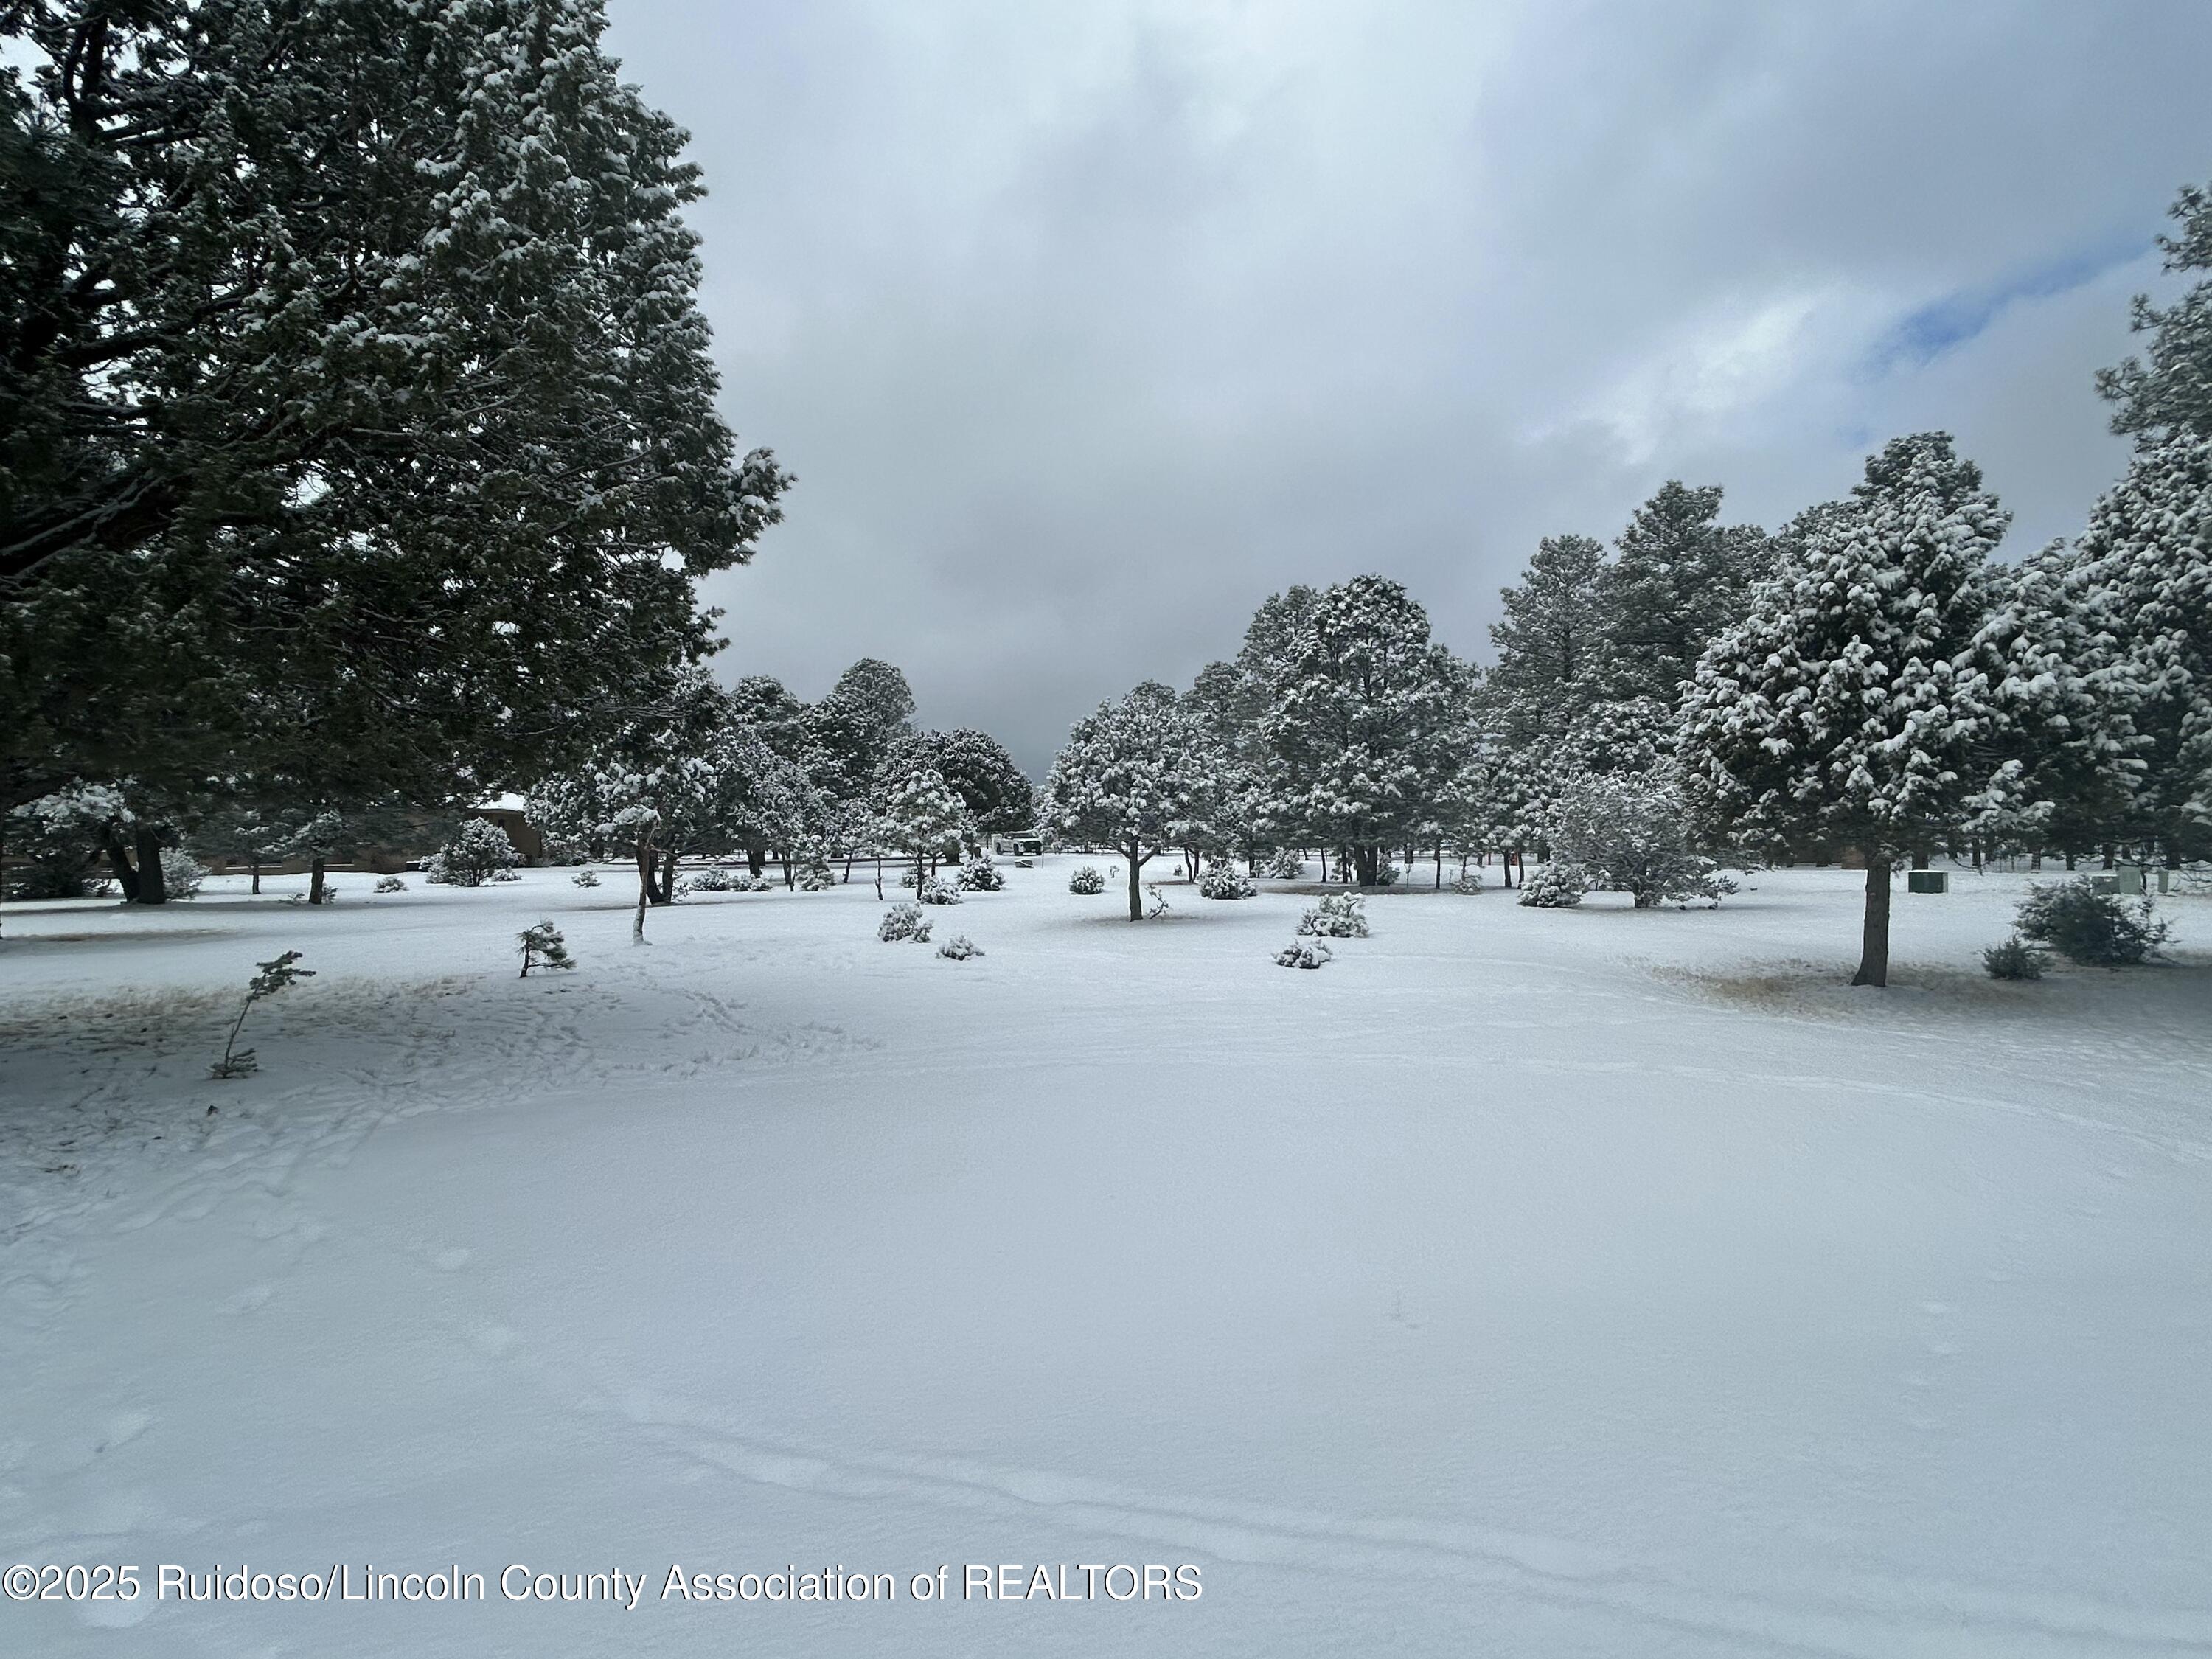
x: 1928, y: 881
x: 2128, y: 882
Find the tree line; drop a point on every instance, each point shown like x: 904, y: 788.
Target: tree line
x: 1866, y: 677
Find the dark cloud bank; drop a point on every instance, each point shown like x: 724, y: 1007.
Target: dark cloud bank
x: 1085, y: 327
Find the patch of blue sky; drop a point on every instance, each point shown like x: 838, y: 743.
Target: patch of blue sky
x: 1923, y: 335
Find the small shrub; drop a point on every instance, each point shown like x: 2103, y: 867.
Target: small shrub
x: 502, y: 875
x: 1304, y: 955
x: 1284, y: 866
x: 934, y: 891
x: 477, y: 852
x: 903, y: 921
x: 1467, y: 884
x: 390, y: 885
x: 1389, y: 876
x: 1223, y: 880
x: 181, y: 874
x: 584, y: 878
x: 810, y: 871
x: 274, y: 977
x: 713, y: 879
x: 543, y: 947
x: 1554, y: 887
x: 1158, y: 906
x: 959, y: 948
x: 979, y: 875
x: 2098, y: 930
x: 1086, y: 880
x: 1338, y: 915
x: 2014, y: 960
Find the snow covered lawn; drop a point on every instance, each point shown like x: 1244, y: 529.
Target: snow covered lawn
x: 1594, y: 1282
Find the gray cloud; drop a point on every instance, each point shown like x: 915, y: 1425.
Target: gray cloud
x: 1087, y: 327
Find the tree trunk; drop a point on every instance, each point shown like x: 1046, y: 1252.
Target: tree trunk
x: 1367, y: 865
x: 1440, y: 863
x: 646, y: 861
x: 661, y: 889
x: 756, y: 861
x: 2069, y: 858
x: 151, y: 888
x: 1136, y: 891
x: 119, y: 866
x: 1874, y: 944
x: 315, y: 880
x: 254, y: 867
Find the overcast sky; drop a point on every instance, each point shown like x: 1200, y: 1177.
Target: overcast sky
x: 1087, y: 326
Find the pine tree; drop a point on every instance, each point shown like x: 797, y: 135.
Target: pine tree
x: 1367, y: 731
x: 1854, y: 704
x: 1137, y: 774
x: 357, y: 417
x: 923, y: 812
x: 2144, y: 576
x: 2170, y: 395
x: 1551, y: 641
x: 998, y: 796
x: 1680, y: 578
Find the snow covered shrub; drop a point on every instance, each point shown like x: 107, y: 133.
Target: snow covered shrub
x: 584, y: 878
x: 934, y: 891
x: 1223, y: 880
x: 502, y: 875
x: 1338, y: 915
x: 1468, y: 884
x: 543, y: 947
x: 810, y: 869
x: 903, y: 921
x: 2014, y: 960
x: 713, y: 879
x: 2098, y: 930
x: 274, y: 977
x: 1630, y: 833
x: 979, y: 875
x: 1554, y: 887
x: 1389, y: 876
x: 1284, y: 866
x: 1303, y: 956
x: 959, y: 948
x: 477, y: 850
x: 1086, y: 880
x: 390, y: 884
x: 182, y: 873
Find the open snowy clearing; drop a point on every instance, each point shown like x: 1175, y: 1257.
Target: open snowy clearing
x: 1525, y: 1282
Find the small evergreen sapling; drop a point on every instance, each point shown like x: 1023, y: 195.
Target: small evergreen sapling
x: 1158, y: 906
x: 1304, y: 955
x: 479, y: 852
x: 1284, y: 866
x: 979, y: 875
x: 584, y: 878
x: 959, y: 948
x: 1469, y: 883
x: 2014, y: 960
x: 543, y: 947
x: 1087, y: 881
x: 1555, y: 887
x: 390, y: 884
x: 274, y: 977
x: 1223, y: 880
x: 1338, y: 915
x: 903, y: 921
x: 2098, y: 930
x: 934, y: 891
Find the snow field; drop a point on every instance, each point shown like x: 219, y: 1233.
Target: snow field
x: 1585, y: 1282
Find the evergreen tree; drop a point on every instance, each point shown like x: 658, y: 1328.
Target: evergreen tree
x: 997, y: 794
x: 1855, y: 703
x: 1366, y: 731
x: 1680, y: 579
x: 868, y: 710
x: 352, y: 384
x: 2170, y: 395
x: 1551, y: 641
x: 921, y: 812
x: 1137, y: 773
x: 2144, y: 575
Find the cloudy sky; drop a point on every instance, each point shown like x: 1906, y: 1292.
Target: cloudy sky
x: 1086, y: 326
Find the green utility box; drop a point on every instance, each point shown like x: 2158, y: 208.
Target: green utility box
x: 1928, y: 881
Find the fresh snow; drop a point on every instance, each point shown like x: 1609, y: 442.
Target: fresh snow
x: 1586, y: 1283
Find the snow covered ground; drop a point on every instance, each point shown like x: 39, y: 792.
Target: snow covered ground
x: 1559, y: 1283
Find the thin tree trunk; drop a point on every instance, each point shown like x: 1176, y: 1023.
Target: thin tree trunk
x: 126, y: 874
x: 315, y: 880
x: 1136, y: 897
x: 1874, y: 945
x: 254, y: 866
x: 152, y: 889
x: 646, y: 861
x: 2069, y: 858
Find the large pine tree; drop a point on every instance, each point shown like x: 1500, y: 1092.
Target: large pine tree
x: 1857, y: 703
